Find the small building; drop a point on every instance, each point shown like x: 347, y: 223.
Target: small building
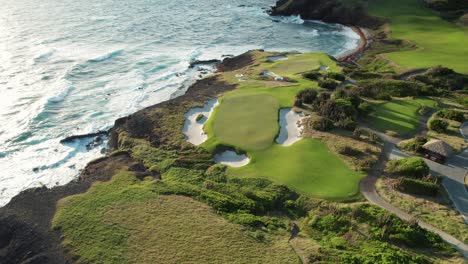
x: 437, y: 150
x: 273, y: 75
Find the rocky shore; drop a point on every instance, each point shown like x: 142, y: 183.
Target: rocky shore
x: 25, y: 222
x: 331, y: 11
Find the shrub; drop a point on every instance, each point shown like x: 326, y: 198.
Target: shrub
x: 357, y: 133
x: 349, y: 151
x: 413, y: 167
x: 384, y: 89
x: 414, y: 144
x: 307, y: 96
x: 328, y: 84
x: 437, y: 125
x: 451, y: 114
x: 373, y: 137
x: 338, y: 110
x: 322, y: 124
x: 418, y: 187
x: 314, y: 75
x: 336, y: 76
x: 298, y: 103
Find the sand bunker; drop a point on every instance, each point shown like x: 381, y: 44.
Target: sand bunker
x: 194, y: 121
x: 231, y: 158
x: 277, y: 58
x: 290, y: 127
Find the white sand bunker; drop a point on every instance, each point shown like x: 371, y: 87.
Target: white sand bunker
x: 290, y: 127
x: 194, y: 121
x: 231, y: 158
x: 277, y: 58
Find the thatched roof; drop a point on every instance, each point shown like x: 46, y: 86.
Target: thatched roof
x: 438, y: 146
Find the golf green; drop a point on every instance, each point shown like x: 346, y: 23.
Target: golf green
x: 244, y: 121
x: 307, y: 166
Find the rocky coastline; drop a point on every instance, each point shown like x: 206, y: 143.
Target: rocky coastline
x: 25, y: 232
x: 332, y: 11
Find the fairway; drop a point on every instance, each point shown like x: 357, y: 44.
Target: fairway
x: 399, y: 115
x: 246, y: 121
x: 307, y: 166
x: 438, y: 41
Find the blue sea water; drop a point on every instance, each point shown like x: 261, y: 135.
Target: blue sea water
x: 73, y: 67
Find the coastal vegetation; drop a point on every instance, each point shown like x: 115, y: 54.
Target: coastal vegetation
x: 290, y: 204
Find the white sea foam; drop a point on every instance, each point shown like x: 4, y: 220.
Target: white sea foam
x: 107, y: 56
x: 43, y: 56
x: 64, y: 88
x: 291, y: 19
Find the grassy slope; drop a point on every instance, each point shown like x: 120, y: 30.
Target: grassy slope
x: 307, y: 166
x: 125, y: 220
x: 399, y: 115
x: 438, y: 41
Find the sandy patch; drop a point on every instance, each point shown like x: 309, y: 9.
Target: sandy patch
x: 290, y: 127
x: 277, y: 58
x: 193, y: 128
x: 232, y: 159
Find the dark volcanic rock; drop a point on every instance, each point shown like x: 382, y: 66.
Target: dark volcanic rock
x: 331, y: 11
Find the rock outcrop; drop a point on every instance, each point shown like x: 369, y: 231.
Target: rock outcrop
x: 331, y: 11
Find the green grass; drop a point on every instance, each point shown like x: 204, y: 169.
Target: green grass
x: 399, y: 115
x: 293, y: 67
x: 247, y: 117
x: 307, y: 166
x: 438, y: 42
x: 245, y: 121
x: 127, y: 221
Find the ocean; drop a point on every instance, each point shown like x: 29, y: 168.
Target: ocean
x: 74, y: 67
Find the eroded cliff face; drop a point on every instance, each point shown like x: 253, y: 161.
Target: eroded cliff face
x: 331, y: 11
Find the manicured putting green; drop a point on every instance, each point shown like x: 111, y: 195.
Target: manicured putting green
x: 438, y: 41
x: 307, y: 166
x: 399, y: 115
x: 245, y: 121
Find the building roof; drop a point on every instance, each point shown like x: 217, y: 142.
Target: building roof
x: 439, y: 147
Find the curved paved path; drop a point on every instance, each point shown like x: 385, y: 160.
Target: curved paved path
x: 367, y: 187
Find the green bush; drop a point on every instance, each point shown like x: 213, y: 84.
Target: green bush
x: 384, y: 89
x: 336, y: 76
x: 314, y: 75
x: 451, y: 114
x: 412, y: 167
x: 414, y: 145
x: 437, y: 125
x: 418, y: 187
x: 328, y: 84
x: 306, y: 96
x: 322, y: 124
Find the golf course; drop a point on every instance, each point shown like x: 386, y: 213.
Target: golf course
x: 437, y: 41
x: 247, y: 121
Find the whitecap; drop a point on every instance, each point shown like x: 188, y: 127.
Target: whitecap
x: 107, y: 56
x: 65, y: 87
x: 43, y: 56
x: 290, y: 19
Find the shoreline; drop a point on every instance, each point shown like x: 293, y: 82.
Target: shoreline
x: 363, y: 45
